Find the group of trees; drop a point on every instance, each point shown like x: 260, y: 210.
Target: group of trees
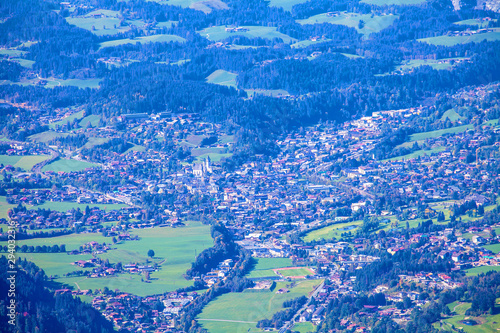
x: 279, y: 318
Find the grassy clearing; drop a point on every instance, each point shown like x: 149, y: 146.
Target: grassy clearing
x: 70, y: 118
x: 4, y: 208
x: 218, y: 33
x: 305, y: 43
x: 487, y: 324
x: 483, y: 269
x: 304, y: 327
x: 285, y: 4
x: 95, y: 141
x: 452, y: 115
x: 331, y: 231
x: 264, y: 267
x: 490, y: 36
x: 295, y: 272
x: 372, y: 24
x: 65, y: 206
x: 24, y: 162
x: 45, y: 137
x: 439, y: 64
x: 250, y: 307
x: 103, y: 22
x: 267, y: 92
x: 223, y: 78
x: 56, y: 263
x: 163, y: 38
x: 416, y: 154
x: 394, y: 2
x: 66, y: 165
x: 476, y: 22
x: 177, y: 246
x: 92, y: 120
x: 438, y: 133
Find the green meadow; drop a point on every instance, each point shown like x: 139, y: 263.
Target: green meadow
x: 223, y: 78
x: 51, y: 82
x: 331, y: 231
x: 162, y: 38
x: 66, y: 165
x: 4, y: 208
x: 295, y: 272
x: 24, y: 162
x: 452, y: 115
x: 438, y: 133
x: 372, y: 24
x: 264, y: 266
x: 103, y: 22
x: 415, y: 154
x: 267, y: 92
x: 46, y: 137
x: 394, y: 2
x: 65, y: 206
x: 304, y: 327
x: 218, y: 33
x: 70, y: 118
x: 285, y: 4
x: 477, y: 22
x: 490, y: 36
x: 483, y: 269
x: 249, y: 307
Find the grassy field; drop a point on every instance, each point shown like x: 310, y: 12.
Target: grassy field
x: 285, y: 4
x: 70, y: 118
x: 267, y: 92
x: 218, y: 33
x: 163, y: 38
x: 4, y: 208
x: 438, y: 133
x: 304, y: 327
x: 55, y: 263
x: 51, y: 82
x: 393, y: 2
x: 249, y: 307
x: 103, y: 22
x: 372, y: 24
x: 264, y: 267
x: 493, y: 247
x: 452, y: 115
x: 483, y: 269
x: 416, y: 154
x: 92, y: 120
x: 295, y: 272
x: 477, y: 22
x: 439, y: 64
x: 66, y: 165
x: 454, y: 40
x: 306, y: 43
x: 223, y: 78
x: 65, y: 206
x: 23, y: 162
x: 331, y: 231
x: 95, y: 141
x: 486, y: 324
x: 205, y: 6
x: 72, y: 242
x: 45, y: 137
x: 175, y: 249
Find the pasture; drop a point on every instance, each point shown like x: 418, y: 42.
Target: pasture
x: 438, y: 133
x: 66, y: 205
x: 66, y: 165
x: 483, y: 269
x: 294, y: 272
x: 205, y: 6
x: 51, y: 82
x: 103, y: 22
x: 415, y: 154
x: 475, y: 22
x: 4, y: 209
x: 175, y: 249
x: 162, y: 38
x: 285, y: 4
x: 24, y: 162
x: 46, y: 137
x: 304, y: 327
x: 218, y: 33
x: 56, y: 263
x: 306, y: 43
x: 439, y: 64
x: 70, y: 118
x: 495, y: 248
x: 250, y: 307
x: 264, y: 267
x: 372, y: 24
x: 452, y: 115
x: 331, y: 231
x: 223, y: 78
x: 394, y: 2
x: 90, y: 120
x: 490, y: 36
x: 267, y: 92
x: 95, y: 141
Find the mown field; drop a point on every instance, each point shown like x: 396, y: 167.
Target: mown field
x: 304, y: 327
x: 372, y: 24
x: 163, y: 38
x: 249, y: 307
x: 66, y: 165
x: 295, y: 272
x: 393, y: 2
x: 331, y: 231
x: 24, y: 162
x: 223, y: 78
x: 218, y: 33
x: 455, y: 40
x: 264, y: 267
x: 483, y: 269
x: 103, y: 22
